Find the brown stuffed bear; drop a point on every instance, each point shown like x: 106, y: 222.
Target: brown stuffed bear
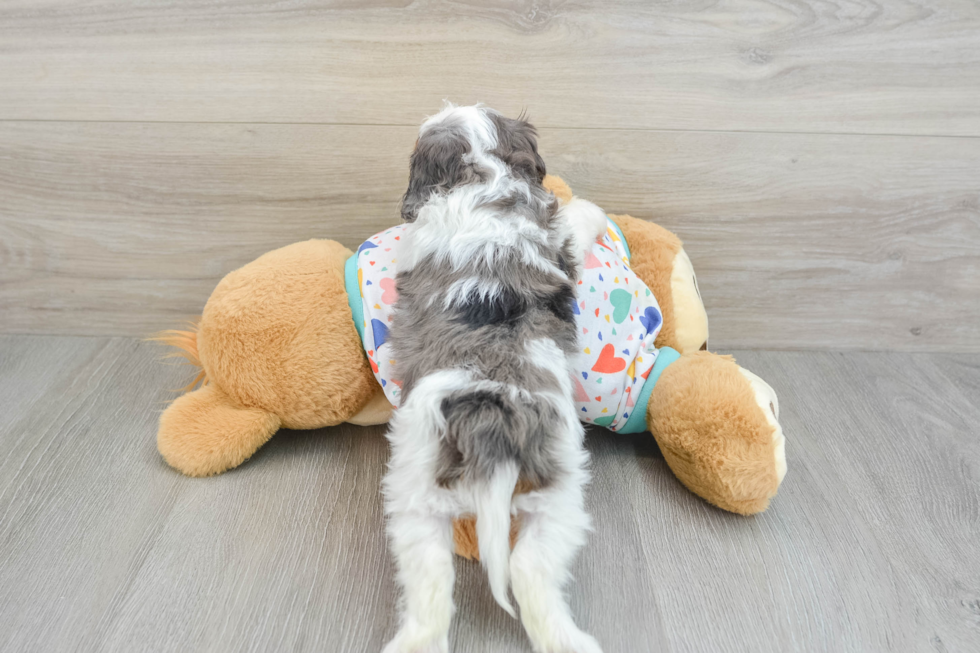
x: 278, y: 348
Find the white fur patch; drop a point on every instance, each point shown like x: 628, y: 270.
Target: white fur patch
x: 459, y: 229
x: 471, y: 289
x: 581, y: 222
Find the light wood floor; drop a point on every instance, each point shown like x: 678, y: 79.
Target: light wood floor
x: 870, y: 546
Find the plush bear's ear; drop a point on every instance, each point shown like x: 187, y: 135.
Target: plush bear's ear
x: 717, y: 427
x: 437, y: 165
x: 558, y: 187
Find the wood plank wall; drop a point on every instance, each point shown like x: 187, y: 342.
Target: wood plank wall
x: 820, y: 160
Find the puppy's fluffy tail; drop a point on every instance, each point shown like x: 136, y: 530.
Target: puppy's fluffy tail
x: 493, y: 530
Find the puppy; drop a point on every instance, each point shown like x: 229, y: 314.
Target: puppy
x: 482, y: 333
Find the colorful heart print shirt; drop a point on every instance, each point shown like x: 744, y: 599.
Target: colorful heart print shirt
x: 617, y: 316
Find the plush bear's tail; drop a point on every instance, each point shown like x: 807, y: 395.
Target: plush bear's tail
x: 185, y: 342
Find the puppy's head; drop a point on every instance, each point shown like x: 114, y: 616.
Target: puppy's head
x: 470, y: 145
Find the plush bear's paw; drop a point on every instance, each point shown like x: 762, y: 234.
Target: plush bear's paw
x: 766, y: 398
x: 204, y: 433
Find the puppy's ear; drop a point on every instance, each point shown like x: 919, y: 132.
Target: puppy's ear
x: 530, y: 134
x: 517, y: 146
x: 437, y: 165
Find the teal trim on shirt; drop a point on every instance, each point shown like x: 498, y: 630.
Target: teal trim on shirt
x: 637, y: 422
x: 619, y: 231
x: 354, y: 294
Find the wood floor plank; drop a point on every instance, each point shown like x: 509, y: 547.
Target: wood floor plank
x: 869, y: 546
x: 80, y: 501
x: 285, y: 554
x: 870, y: 67
x: 800, y: 241
x: 883, y: 503
x: 29, y: 367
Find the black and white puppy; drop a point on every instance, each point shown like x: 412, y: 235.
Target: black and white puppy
x: 482, y: 333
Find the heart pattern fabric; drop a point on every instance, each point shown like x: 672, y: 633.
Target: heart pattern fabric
x: 619, y: 322
x: 616, y: 315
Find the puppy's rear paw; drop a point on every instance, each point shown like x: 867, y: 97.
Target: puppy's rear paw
x: 568, y: 639
x: 582, y: 643
x: 412, y: 638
